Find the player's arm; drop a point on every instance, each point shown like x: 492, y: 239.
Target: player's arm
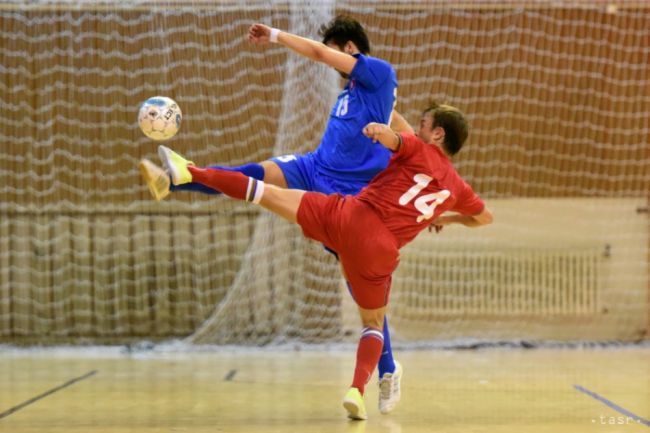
x: 485, y: 217
x: 316, y: 51
x: 378, y: 132
x: 399, y: 124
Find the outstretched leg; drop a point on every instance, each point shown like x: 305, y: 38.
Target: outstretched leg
x: 253, y: 170
x: 160, y: 185
x: 284, y: 202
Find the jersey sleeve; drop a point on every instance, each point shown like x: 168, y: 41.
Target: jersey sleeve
x: 410, y: 145
x: 370, y: 72
x: 468, y: 203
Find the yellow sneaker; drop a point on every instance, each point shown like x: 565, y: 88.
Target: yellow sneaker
x: 176, y: 165
x: 353, y: 403
x: 156, y: 179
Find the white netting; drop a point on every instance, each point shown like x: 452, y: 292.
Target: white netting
x: 272, y: 296
x: 559, y: 102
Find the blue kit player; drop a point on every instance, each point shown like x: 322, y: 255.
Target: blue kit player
x: 345, y: 160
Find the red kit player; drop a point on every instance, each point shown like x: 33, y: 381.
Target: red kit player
x: 368, y: 230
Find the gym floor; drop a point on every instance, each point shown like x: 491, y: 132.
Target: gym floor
x: 225, y: 390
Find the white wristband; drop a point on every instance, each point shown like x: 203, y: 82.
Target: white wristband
x: 274, y: 35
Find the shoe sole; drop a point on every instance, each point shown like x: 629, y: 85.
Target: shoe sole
x: 164, y: 155
x: 151, y: 182
x: 387, y: 410
x: 353, y: 411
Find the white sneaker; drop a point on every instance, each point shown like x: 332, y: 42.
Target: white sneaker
x: 176, y: 165
x: 390, y: 389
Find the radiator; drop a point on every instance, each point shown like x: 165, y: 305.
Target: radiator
x: 507, y: 282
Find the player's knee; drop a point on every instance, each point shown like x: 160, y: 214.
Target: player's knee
x: 282, y: 201
x: 273, y: 174
x: 373, y: 318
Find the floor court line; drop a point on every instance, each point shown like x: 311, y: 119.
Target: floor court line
x: 612, y: 405
x: 230, y: 376
x: 46, y: 393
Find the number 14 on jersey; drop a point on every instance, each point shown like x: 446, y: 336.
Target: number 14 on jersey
x: 427, y: 203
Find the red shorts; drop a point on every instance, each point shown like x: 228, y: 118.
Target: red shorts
x: 367, y: 250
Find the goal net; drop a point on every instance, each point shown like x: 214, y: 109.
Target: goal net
x: 558, y: 98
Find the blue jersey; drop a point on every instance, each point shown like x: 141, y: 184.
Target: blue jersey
x: 345, y: 160
x: 344, y: 153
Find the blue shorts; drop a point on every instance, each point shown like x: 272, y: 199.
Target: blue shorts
x: 301, y: 172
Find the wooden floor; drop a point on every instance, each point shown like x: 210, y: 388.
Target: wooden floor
x: 491, y: 390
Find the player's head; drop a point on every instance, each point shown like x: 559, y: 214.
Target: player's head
x: 444, y: 125
x: 345, y: 34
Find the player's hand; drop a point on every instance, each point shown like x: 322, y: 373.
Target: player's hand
x: 259, y: 34
x: 374, y: 130
x: 439, y: 223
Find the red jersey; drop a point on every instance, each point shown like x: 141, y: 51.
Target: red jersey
x: 419, y: 184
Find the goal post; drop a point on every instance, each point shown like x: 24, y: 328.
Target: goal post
x: 557, y: 96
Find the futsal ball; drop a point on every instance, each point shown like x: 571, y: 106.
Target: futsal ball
x: 159, y: 118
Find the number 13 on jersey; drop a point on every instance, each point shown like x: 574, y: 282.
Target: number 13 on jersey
x: 342, y: 107
x: 426, y: 204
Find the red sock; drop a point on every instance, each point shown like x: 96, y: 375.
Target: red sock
x: 368, y: 354
x: 232, y: 183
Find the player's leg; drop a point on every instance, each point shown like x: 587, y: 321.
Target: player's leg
x: 368, y: 263
x: 284, y: 202
x: 387, y: 363
x: 274, y: 175
x: 160, y: 185
x: 368, y: 353
x: 389, y: 370
x: 320, y: 218
x: 390, y: 390
x: 254, y: 170
x: 268, y: 171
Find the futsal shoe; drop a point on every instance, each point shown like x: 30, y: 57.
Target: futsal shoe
x: 353, y: 403
x: 156, y: 179
x: 390, y: 389
x: 176, y: 165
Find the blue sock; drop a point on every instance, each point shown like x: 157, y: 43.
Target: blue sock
x: 253, y: 170
x: 386, y: 362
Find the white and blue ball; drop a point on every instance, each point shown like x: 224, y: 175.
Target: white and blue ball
x: 160, y: 118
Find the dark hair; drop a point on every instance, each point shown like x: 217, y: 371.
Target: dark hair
x: 343, y: 29
x: 452, y: 120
